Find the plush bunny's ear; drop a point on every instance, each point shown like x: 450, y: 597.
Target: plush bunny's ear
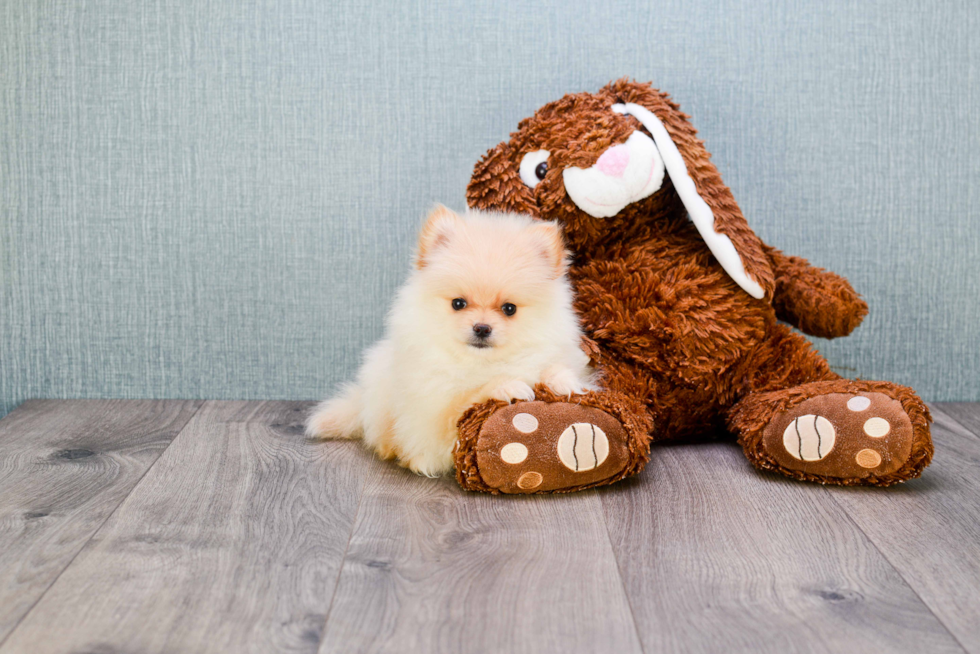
x: 701, y: 215
x: 709, y: 202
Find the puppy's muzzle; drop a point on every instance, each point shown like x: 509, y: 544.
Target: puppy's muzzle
x: 481, y: 335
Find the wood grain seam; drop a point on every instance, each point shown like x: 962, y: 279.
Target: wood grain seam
x: 343, y: 561
x: 102, y: 524
x: 897, y: 569
x: 937, y: 408
x: 619, y: 572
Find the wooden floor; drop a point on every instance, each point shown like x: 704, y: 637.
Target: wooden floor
x: 181, y: 526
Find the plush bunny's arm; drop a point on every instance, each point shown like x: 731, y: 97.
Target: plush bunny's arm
x: 814, y: 300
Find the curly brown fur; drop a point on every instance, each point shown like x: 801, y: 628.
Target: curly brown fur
x: 666, y: 325
x: 817, y: 301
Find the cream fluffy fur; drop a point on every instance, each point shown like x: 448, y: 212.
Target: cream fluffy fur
x: 415, y: 383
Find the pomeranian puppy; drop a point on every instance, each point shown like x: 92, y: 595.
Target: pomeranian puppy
x: 486, y: 313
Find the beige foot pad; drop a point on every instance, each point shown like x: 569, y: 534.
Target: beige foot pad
x: 842, y: 435
x: 582, y: 447
x: 539, y: 446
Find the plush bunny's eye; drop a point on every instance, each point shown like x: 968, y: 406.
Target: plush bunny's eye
x: 534, y: 166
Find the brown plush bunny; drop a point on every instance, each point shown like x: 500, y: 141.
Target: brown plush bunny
x: 680, y: 301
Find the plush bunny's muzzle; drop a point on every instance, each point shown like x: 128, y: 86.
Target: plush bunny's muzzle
x: 623, y: 174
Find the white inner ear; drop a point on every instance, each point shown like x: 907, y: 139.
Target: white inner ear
x: 700, y: 213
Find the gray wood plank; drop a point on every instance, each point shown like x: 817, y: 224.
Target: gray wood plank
x: 929, y: 529
x: 232, y: 542
x: 718, y: 557
x: 433, y: 569
x: 965, y: 413
x: 65, y: 466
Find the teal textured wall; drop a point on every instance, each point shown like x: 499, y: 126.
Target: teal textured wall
x: 217, y: 198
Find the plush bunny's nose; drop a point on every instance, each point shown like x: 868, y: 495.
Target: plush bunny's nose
x: 613, y: 161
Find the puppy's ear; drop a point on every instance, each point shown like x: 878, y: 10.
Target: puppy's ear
x: 708, y: 200
x: 437, y: 231
x: 548, y: 238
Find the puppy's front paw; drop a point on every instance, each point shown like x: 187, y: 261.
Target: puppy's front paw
x: 565, y: 382
x: 513, y: 390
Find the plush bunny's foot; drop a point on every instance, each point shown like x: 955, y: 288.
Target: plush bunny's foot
x: 837, y: 432
x: 550, y: 446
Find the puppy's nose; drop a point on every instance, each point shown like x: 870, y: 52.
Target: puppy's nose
x: 482, y: 330
x: 613, y: 161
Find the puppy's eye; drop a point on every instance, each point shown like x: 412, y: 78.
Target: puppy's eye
x: 534, y: 166
x: 459, y: 304
x: 509, y: 309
